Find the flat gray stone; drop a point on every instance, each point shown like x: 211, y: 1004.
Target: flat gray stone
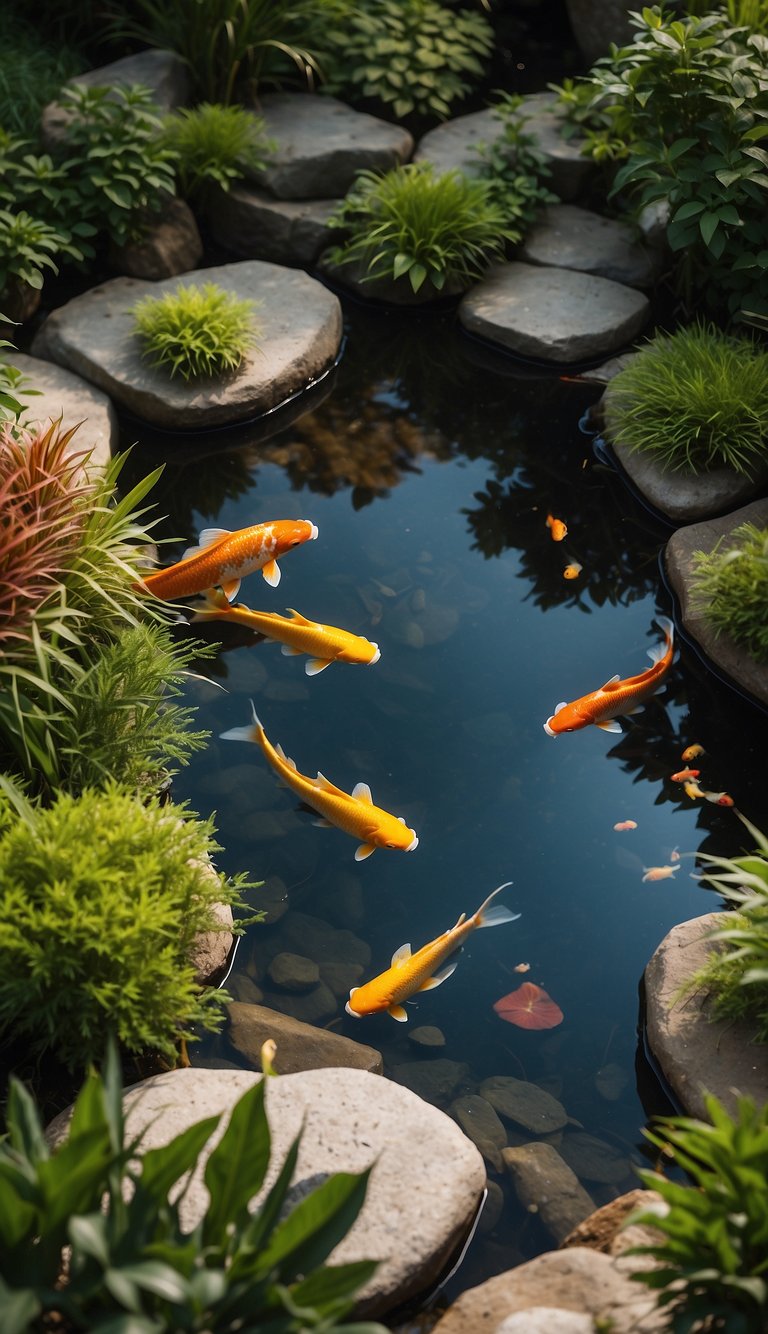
x: 340, y: 978
x: 436, y: 1080
x: 163, y: 72
x: 567, y: 237
x: 210, y: 954
x: 578, y: 1280
x: 254, y: 224
x: 452, y: 145
x: 728, y: 657
x: 302, y: 933
x: 697, y: 1054
x: 300, y: 1046
x: 428, y: 1036
x: 545, y: 1185
x: 320, y: 144
x: 593, y: 1159
x: 351, y: 1120
x: 686, y: 497
x: 554, y: 315
x: 310, y: 1007
x: 526, y: 1104
x: 63, y: 394
x: 299, y: 319
x: 478, y: 1120
x: 293, y: 972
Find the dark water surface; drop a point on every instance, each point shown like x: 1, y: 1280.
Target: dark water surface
x: 429, y: 465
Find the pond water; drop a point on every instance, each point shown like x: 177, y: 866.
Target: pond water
x: 429, y: 465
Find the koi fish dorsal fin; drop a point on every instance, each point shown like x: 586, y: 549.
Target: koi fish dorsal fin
x: 562, y: 705
x: 401, y: 955
x: 442, y: 976
x: 325, y: 784
x: 285, y: 758
x: 297, y: 617
x: 206, y: 538
x: 362, y: 792
x: 612, y: 682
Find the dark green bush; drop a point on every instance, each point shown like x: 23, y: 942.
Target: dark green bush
x: 32, y: 70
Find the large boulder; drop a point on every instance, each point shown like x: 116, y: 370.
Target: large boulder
x: 686, y: 497
x: 165, y: 73
x: 170, y: 243
x: 598, y: 23
x: 300, y: 333
x: 300, y: 1046
x: 51, y: 392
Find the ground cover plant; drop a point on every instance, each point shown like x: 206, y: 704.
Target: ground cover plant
x: 417, y: 224
x: 694, y: 400
x: 195, y: 332
x: 712, y: 1259
x: 514, y: 168
x: 214, y: 145
x: 131, y: 1266
x: 731, y: 588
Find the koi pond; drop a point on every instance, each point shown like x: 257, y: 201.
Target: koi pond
x: 429, y: 465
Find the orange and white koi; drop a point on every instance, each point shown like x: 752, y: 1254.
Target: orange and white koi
x: 326, y: 643
x: 573, y: 570
x: 623, y: 825
x: 222, y: 558
x: 410, y: 973
x: 353, y: 812
x: 557, y: 529
x: 659, y: 872
x: 602, y: 707
x: 684, y: 775
x: 693, y: 791
x: 692, y: 752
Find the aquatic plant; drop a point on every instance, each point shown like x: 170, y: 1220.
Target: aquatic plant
x: 731, y: 588
x: 514, y: 168
x: 412, y: 56
x: 411, y: 221
x: 695, y: 399
x: 712, y: 1260
x: 195, y: 331
x: 214, y: 145
x: 115, y: 1209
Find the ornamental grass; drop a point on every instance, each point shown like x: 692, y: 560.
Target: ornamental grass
x: 195, y: 332
x: 731, y: 588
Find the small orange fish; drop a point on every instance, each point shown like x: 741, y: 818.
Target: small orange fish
x: 719, y: 798
x: 557, y: 529
x: 693, y: 791
x: 684, y: 775
x: 522, y: 968
x: 625, y: 824
x: 692, y: 752
x: 421, y: 971
x: 659, y: 872
x: 222, y: 558
x: 326, y: 643
x: 573, y: 570
x: 602, y: 707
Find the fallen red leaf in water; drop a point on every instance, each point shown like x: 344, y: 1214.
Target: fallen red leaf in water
x: 529, y: 1007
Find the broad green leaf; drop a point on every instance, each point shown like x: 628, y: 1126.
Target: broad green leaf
x: 25, y: 1129
x: 161, y: 1168
x: 160, y: 1279
x: 689, y: 210
x: 311, y: 1231
x: 129, y: 1324
x: 236, y: 1169
x: 88, y: 1233
x: 260, y: 1226
x: 417, y: 275
x: 18, y: 1214
x: 72, y: 1179
x: 708, y: 225
x: 18, y: 1309
x: 401, y: 264
x: 333, y: 1284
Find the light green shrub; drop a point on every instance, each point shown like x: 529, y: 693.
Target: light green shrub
x: 214, y: 145
x: 195, y: 331
x: 731, y: 588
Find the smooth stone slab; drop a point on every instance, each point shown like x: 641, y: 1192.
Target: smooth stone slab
x: 545, y: 1184
x: 351, y: 1120
x: 479, y: 1121
x: 546, y: 1320
x: 300, y: 1046
x: 526, y: 1104
x: 567, y: 237
x: 686, y: 497
x: 311, y: 1007
x: 320, y: 144
x: 300, y: 333
x: 452, y: 145
x: 163, y: 72
x: 436, y: 1079
x: 62, y: 394
x: 554, y: 315
x: 254, y: 224
x: 728, y: 657
x: 696, y: 1054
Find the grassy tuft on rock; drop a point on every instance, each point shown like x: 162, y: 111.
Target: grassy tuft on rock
x: 195, y: 332
x: 730, y: 586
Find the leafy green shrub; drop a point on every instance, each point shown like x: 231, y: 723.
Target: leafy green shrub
x: 737, y: 973
x: 195, y: 331
x: 214, y: 144
x: 713, y: 1259
x: 695, y: 399
x: 435, y: 229
x: 410, y: 55
x: 130, y: 1265
x: 514, y: 168
x: 32, y: 70
x: 11, y: 382
x: 102, y: 897
x: 27, y: 249
x: 741, y: 13
x: 731, y: 587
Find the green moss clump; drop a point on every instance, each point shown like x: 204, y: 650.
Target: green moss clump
x: 695, y: 400
x: 731, y: 588
x: 101, y: 898
x: 195, y: 331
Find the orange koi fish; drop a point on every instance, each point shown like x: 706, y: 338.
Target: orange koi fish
x: 693, y: 791
x: 573, y: 570
x: 326, y: 643
x: 622, y: 825
x: 223, y: 558
x: 422, y: 971
x: 692, y: 752
x: 684, y: 775
x: 557, y: 529
x: 353, y: 812
x: 602, y: 707
x: 659, y: 872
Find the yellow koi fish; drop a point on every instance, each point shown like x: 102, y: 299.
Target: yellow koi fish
x: 410, y: 973
x: 326, y: 643
x: 616, y: 698
x: 353, y: 812
x: 224, y: 558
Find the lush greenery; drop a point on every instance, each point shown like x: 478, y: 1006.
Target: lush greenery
x: 712, y: 1271
x: 687, y: 105
x: 408, y: 55
x: 27, y: 249
x: 696, y: 399
x: 32, y: 70
x: 741, y: 13
x: 214, y: 144
x: 515, y: 169
x: 130, y: 1265
x: 737, y: 970
x: 414, y: 222
x: 731, y: 587
x: 195, y: 331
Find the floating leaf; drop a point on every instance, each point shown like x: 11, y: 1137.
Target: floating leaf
x: 529, y: 1006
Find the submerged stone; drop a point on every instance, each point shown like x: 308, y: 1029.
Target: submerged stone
x: 427, y: 1035
x: 525, y: 1104
x: 293, y: 972
x: 593, y: 1159
x: 300, y: 1046
x: 545, y: 1185
x: 435, y: 1080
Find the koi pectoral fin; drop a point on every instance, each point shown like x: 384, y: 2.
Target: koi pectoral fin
x: 610, y: 725
x: 314, y: 665
x: 364, y: 851
x: 231, y: 588
x: 271, y: 572
x: 398, y: 1013
x: 440, y: 977
x: 289, y: 652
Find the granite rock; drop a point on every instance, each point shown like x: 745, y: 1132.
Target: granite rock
x: 300, y: 1046
x: 170, y: 244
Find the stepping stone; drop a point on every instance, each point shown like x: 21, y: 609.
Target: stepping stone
x: 321, y: 144
x: 727, y: 656
x: 163, y: 72
x: 300, y: 333
x: 452, y: 145
x: 553, y: 315
x: 686, y: 497
x: 300, y: 1046
x: 254, y: 224
x: 567, y: 237
x: 62, y: 394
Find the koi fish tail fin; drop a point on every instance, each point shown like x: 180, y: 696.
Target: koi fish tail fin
x: 253, y: 732
x: 496, y: 916
x: 659, y: 650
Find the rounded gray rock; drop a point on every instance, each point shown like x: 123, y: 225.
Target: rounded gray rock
x: 60, y: 393
x: 686, y: 497
x: 524, y: 1103
x: 254, y: 224
x: 546, y: 1185
x: 293, y: 972
x: 300, y: 1046
x: 567, y: 237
